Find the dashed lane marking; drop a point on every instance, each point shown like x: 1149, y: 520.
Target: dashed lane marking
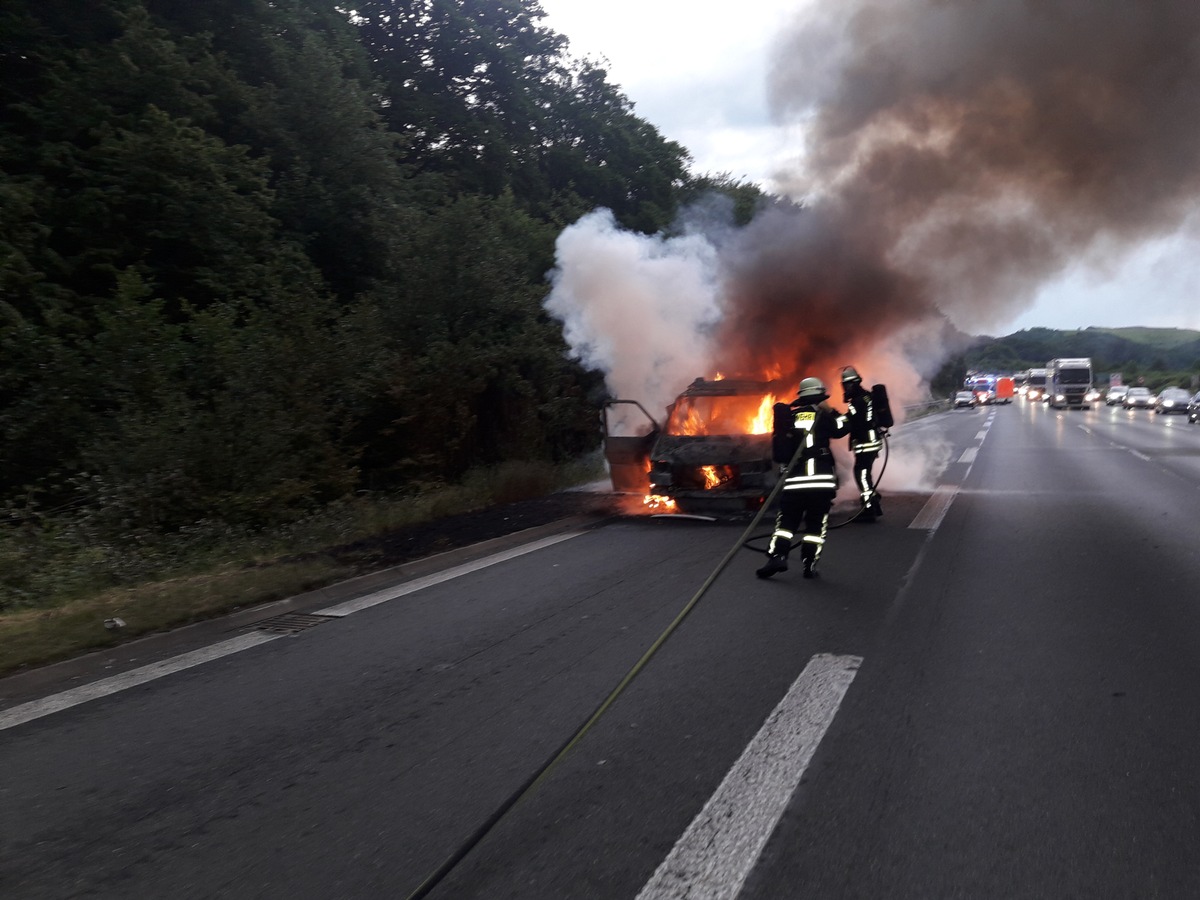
x: 935, y: 508
x: 719, y: 849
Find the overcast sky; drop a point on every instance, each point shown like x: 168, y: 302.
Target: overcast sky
x: 697, y: 70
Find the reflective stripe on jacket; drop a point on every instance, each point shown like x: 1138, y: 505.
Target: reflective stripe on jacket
x: 808, y: 429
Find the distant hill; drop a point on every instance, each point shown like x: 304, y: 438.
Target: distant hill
x: 1111, y: 349
x: 1159, y: 337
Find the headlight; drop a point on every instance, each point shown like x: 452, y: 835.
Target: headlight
x: 1059, y: 398
x: 1168, y: 403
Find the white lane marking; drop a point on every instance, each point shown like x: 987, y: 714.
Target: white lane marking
x: 419, y: 584
x: 935, y: 508
x: 968, y: 455
x: 719, y: 849
x: 1141, y: 456
x: 981, y: 436
x: 35, y: 709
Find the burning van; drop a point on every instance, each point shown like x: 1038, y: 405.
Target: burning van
x: 711, y: 456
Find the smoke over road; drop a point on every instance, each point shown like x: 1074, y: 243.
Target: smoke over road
x: 959, y: 153
x: 981, y: 146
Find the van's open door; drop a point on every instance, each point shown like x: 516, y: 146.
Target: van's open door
x: 629, y: 435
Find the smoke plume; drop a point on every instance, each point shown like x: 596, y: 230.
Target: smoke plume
x: 983, y: 146
x: 959, y: 153
x: 638, y: 308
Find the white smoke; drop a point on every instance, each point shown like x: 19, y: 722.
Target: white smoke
x: 638, y: 308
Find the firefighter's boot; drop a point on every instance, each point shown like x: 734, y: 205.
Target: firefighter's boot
x: 875, y: 506
x: 776, y: 562
x: 809, y: 559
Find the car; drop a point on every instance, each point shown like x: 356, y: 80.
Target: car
x: 1115, y: 395
x: 1171, y: 400
x: 712, y: 455
x: 1138, y: 398
x: 964, y: 399
x: 1193, y: 408
x: 1091, y: 396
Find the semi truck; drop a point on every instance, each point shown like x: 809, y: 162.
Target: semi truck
x: 1068, y: 382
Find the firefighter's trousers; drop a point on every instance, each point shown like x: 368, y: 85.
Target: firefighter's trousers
x: 804, y: 513
x: 864, y: 463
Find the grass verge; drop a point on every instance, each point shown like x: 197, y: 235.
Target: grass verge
x: 37, y: 636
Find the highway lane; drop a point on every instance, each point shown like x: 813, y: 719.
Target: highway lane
x: 350, y: 759
x: 1021, y: 723
x: 1029, y: 726
x: 1168, y: 441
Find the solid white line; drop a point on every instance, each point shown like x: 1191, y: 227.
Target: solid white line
x: 35, y: 709
x: 718, y: 850
x: 369, y: 600
x: 935, y: 508
x: 968, y: 455
x: 1141, y: 456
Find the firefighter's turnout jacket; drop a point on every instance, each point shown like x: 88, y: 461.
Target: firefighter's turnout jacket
x: 810, y: 483
x: 812, y: 425
x: 865, y: 436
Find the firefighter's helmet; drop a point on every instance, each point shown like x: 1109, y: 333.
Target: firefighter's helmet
x: 850, y: 376
x: 812, y: 389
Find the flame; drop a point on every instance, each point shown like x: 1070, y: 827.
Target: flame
x: 765, y: 420
x: 718, y: 377
x: 659, y: 503
x: 711, y: 478
x: 735, y: 414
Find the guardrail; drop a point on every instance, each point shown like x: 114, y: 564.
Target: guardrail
x: 916, y: 410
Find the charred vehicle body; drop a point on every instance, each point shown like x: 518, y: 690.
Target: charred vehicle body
x: 711, y: 456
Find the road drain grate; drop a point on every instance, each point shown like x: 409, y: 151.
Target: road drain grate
x: 291, y: 623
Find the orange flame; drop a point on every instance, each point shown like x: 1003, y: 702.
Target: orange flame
x: 723, y: 415
x: 711, y: 478
x: 659, y: 503
x: 765, y: 420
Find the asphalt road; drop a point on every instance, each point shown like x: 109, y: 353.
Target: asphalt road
x: 990, y: 693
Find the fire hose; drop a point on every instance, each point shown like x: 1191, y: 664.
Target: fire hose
x: 539, y: 776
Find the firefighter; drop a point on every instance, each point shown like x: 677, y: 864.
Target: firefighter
x: 866, y: 440
x: 806, y: 425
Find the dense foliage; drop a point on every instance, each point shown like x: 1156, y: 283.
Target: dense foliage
x: 258, y: 255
